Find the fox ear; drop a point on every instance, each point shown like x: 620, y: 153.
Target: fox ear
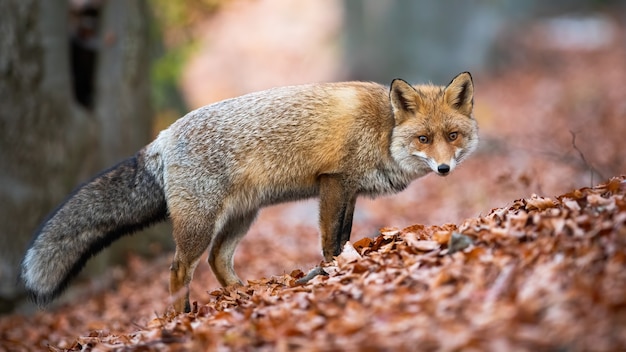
x: 404, y: 98
x: 459, y: 93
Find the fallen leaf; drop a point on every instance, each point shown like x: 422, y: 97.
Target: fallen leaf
x: 347, y: 255
x: 538, y: 203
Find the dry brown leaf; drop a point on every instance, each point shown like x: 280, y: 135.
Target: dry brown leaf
x: 389, y: 232
x: 538, y: 203
x: 364, y: 242
x: 424, y: 245
x: 442, y: 237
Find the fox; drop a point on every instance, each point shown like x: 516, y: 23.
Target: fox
x: 213, y: 169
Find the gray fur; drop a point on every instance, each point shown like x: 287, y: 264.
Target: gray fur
x: 119, y: 201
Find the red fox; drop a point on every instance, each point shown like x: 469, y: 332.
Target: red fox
x: 212, y: 170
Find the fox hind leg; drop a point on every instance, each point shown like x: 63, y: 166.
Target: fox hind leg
x: 224, y: 245
x: 192, y: 239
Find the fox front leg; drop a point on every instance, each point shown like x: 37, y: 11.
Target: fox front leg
x: 336, y: 211
x: 346, y: 228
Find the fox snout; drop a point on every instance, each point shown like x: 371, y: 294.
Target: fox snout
x: 443, y: 169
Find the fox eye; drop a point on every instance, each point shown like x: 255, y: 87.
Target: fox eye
x: 453, y: 136
x: 422, y: 139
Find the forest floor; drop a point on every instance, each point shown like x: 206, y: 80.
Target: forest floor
x: 523, y: 258
x: 539, y: 274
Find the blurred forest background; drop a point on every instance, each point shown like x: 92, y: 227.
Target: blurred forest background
x: 87, y: 83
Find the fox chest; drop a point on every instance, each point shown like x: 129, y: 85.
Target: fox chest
x: 382, y: 182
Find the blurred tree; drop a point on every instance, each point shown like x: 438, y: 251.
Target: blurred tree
x: 176, y: 41
x: 75, y: 97
x: 417, y: 40
x: 434, y: 40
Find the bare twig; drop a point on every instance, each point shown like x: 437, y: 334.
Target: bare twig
x: 591, y: 169
x: 503, y: 147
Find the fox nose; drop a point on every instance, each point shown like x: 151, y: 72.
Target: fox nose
x: 443, y: 169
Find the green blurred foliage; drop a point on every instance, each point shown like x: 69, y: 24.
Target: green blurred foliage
x: 174, y: 41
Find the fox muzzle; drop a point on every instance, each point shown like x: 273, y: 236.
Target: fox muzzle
x: 443, y: 169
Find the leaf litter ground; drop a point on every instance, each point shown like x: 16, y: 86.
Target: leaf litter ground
x: 540, y: 274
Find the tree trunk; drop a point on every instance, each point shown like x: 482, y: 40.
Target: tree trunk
x: 421, y: 41
x: 53, y: 136
x: 123, y: 109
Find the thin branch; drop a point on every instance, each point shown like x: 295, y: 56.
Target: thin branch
x: 591, y: 169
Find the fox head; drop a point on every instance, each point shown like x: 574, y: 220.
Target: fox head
x: 434, y: 127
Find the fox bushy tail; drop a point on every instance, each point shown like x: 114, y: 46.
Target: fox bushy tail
x: 119, y: 201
